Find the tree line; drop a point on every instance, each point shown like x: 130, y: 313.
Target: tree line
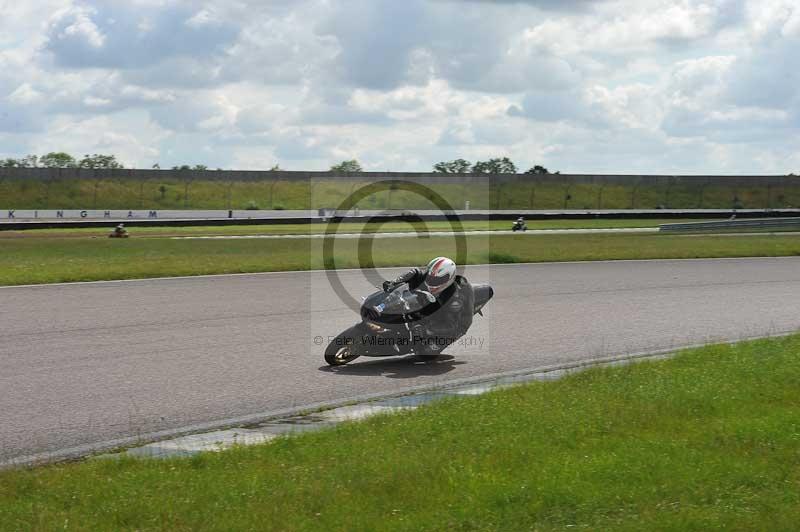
x: 61, y: 159
x: 497, y: 165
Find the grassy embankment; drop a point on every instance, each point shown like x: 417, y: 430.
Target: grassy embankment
x: 210, y: 194
x: 44, y: 260
x: 706, y: 440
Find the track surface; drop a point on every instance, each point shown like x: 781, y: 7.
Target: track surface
x: 411, y: 234
x: 83, y: 364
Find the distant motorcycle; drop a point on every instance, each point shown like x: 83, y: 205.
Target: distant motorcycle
x: 119, y: 232
x: 385, y: 327
x: 519, y: 225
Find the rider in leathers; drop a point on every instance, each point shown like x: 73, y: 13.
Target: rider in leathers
x: 447, y: 304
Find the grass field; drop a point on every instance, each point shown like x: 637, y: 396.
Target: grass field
x: 51, y: 259
x: 707, y: 440
x: 172, y: 193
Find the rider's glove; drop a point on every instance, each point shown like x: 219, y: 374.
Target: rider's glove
x: 387, y: 285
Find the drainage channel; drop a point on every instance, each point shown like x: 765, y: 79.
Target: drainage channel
x: 268, y: 430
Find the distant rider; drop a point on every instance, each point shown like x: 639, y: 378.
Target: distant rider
x: 446, y: 299
x: 120, y: 231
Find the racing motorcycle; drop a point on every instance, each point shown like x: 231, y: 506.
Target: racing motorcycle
x: 386, y: 323
x: 519, y: 225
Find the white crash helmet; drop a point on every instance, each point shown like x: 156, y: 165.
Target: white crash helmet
x: 440, y: 273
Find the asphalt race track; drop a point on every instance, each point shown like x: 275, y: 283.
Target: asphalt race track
x: 411, y: 234
x: 85, y: 364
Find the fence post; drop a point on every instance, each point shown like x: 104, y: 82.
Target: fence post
x: 702, y: 194
x: 670, y: 181
x: 311, y: 186
x: 352, y: 188
x: 48, y: 182
x: 230, y: 192
x: 271, y: 187
x: 3, y: 175
x: 769, y: 195
x: 567, y: 195
x: 633, y: 194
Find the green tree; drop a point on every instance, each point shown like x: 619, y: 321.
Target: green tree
x: 538, y: 170
x: 351, y: 166
x: 58, y: 159
x: 457, y: 166
x: 29, y: 161
x: 98, y: 160
x: 198, y: 167
x: 495, y: 166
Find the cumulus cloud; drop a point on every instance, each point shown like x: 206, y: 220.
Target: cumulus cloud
x: 582, y: 86
x: 116, y: 35
x: 589, y: 108
x: 555, y: 5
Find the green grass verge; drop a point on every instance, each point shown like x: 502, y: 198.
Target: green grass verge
x: 295, y: 229
x: 175, y: 193
x: 46, y: 260
x: 707, y: 440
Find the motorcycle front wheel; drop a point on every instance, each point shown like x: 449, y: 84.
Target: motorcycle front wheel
x: 342, y: 349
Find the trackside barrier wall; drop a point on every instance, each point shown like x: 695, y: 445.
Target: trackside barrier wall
x: 464, y: 216
x: 777, y: 224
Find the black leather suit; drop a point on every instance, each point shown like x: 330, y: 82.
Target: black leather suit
x: 447, y: 319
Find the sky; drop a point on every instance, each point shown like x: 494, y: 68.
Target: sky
x: 578, y: 86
